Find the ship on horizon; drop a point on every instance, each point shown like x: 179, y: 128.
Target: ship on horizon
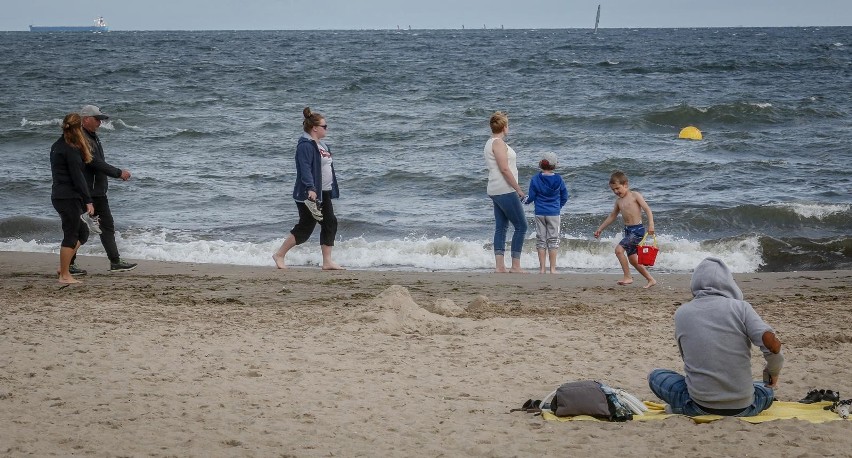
x: 100, y: 26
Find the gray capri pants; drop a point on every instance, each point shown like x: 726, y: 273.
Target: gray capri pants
x: 547, y: 232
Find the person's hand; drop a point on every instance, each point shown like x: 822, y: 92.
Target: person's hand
x: 90, y: 209
x: 521, y: 195
x: 312, y: 196
x: 769, y: 380
x: 651, y: 232
x: 125, y: 175
x: 773, y: 382
x: 598, y: 234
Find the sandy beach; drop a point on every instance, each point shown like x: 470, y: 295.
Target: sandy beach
x: 176, y: 359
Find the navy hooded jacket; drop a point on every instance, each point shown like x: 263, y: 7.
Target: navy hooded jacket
x: 309, y: 171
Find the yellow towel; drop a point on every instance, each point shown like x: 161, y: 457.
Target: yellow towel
x: 813, y: 413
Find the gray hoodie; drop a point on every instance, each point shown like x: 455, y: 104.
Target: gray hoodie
x: 715, y: 332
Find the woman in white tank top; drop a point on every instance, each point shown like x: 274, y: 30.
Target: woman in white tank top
x: 506, y: 193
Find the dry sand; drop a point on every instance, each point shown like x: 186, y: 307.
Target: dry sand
x: 207, y: 360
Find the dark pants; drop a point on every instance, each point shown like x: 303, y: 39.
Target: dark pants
x: 305, y: 227
x: 73, y: 228
x: 107, y: 227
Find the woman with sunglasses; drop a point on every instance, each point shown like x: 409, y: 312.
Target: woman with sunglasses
x: 316, y: 185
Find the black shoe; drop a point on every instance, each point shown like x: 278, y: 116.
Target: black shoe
x: 813, y: 396
x: 76, y: 270
x: 831, y: 396
x: 121, y: 266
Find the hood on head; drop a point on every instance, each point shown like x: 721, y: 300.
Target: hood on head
x: 713, y: 278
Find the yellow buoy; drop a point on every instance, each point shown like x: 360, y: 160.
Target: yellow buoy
x: 690, y: 133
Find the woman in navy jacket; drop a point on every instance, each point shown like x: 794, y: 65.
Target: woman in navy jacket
x: 316, y: 186
x: 70, y: 193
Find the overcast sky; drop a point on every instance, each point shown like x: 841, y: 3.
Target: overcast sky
x: 423, y: 14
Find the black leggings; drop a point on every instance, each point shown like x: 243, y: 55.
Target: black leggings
x: 73, y: 228
x: 305, y: 227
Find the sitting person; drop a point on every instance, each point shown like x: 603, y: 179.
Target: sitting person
x: 714, y: 333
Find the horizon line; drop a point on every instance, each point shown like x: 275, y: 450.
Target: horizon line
x: 408, y: 28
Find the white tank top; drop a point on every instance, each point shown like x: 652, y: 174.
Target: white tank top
x: 496, y: 182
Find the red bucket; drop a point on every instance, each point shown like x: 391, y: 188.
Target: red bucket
x: 647, y: 253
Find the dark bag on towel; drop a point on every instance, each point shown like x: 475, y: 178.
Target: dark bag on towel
x: 580, y: 398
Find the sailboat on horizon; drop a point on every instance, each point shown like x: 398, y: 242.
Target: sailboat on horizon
x: 597, y: 19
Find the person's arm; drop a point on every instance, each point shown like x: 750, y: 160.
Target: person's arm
x: 304, y: 160
x: 532, y: 193
x: 644, y: 206
x: 101, y: 166
x: 501, y: 156
x: 774, y: 358
x: 563, y: 195
x: 75, y: 170
x: 609, y: 219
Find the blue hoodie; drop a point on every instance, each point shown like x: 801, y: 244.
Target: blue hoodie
x: 549, y: 194
x: 309, y: 171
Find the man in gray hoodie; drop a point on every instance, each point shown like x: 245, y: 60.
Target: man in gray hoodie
x: 715, y: 332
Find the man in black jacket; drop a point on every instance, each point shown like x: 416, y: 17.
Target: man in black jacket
x: 96, y: 173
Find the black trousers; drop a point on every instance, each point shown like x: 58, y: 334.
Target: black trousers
x: 107, y: 228
x: 328, y: 227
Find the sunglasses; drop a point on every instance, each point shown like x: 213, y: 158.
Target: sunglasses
x: 324, y: 126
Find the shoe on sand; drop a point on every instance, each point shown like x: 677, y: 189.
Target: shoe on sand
x: 314, y: 209
x: 76, y: 270
x: 813, y: 396
x: 121, y: 266
x: 93, y: 222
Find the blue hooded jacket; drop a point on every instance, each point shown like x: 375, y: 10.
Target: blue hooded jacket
x: 549, y: 194
x: 309, y: 171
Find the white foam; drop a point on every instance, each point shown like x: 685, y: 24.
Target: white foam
x: 418, y: 254
x: 818, y: 211
x: 47, y: 122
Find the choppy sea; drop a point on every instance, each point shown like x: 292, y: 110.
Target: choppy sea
x: 207, y: 123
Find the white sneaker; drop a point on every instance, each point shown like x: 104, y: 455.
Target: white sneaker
x: 314, y: 209
x: 94, y: 223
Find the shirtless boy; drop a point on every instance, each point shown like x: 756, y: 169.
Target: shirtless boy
x: 630, y: 204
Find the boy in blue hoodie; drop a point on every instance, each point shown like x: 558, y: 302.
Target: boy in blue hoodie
x: 548, y: 191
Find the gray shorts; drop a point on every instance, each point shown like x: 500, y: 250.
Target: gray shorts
x: 547, y: 232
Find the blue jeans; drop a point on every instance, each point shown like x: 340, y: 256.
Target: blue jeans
x: 508, y: 208
x: 671, y: 388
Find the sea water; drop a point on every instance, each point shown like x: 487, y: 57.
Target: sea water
x: 207, y: 123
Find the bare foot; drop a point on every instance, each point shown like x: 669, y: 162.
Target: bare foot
x: 279, y: 261
x: 69, y: 280
x: 517, y: 271
x: 650, y: 284
x: 625, y: 281
x: 332, y: 266
x: 553, y: 271
x: 541, y: 271
x: 500, y: 271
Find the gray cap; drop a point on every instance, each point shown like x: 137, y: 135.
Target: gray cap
x: 548, y: 160
x: 93, y: 111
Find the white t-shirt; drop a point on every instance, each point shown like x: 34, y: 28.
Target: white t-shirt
x: 496, y: 182
x: 327, y: 177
